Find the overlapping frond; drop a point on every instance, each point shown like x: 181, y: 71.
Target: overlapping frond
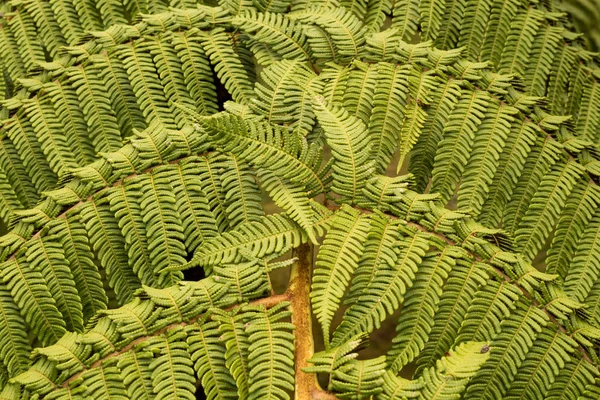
x: 118, y: 176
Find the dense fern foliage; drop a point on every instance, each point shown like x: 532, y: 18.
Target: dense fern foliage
x: 434, y: 166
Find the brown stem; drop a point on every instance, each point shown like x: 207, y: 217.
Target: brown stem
x: 307, y: 386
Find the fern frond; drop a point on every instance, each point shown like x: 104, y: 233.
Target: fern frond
x: 420, y: 83
x: 196, y: 72
x: 537, y: 164
x: 28, y: 287
x: 68, y: 20
x: 385, y: 291
x: 194, y: 210
x: 337, y: 259
x: 485, y: 156
x: 493, y: 303
x: 235, y: 7
x: 422, y: 298
x: 395, y: 387
x: 443, y: 100
x: 145, y: 83
x: 502, y: 15
x: 519, y: 42
x: 450, y: 29
x: 389, y: 101
x: 271, y: 147
x: 172, y: 373
x: 283, y: 35
x: 227, y: 65
x: 282, y: 95
x: 210, y: 182
x: 569, y: 230
x: 548, y: 355
x: 47, y: 256
x: 22, y: 134
x: 170, y: 71
x: 53, y: 142
x: 510, y: 349
x: 113, y: 74
x: 359, y: 379
x: 447, y: 380
x: 95, y: 105
x: 270, y: 234
x: 19, y: 179
x: 135, y: 373
x: 349, y: 141
x: 22, y: 26
x: 127, y: 210
x: 571, y: 381
x: 164, y: 230
x: 379, y: 254
x: 558, y: 79
x: 583, y: 269
x: 541, y: 215
x: 458, y: 293
x: 358, y: 98
x: 67, y: 107
x: 542, y: 54
x: 292, y: 199
x: 242, y: 196
x: 377, y: 11
x: 208, y: 355
x: 73, y: 238
x: 14, y: 343
x: 237, y: 344
x: 510, y: 165
x: 11, y: 57
x: 459, y: 133
x: 475, y: 20
x: 431, y: 15
x: 47, y: 26
x: 346, y: 31
x: 405, y: 18
x: 106, y: 239
x: 270, y: 352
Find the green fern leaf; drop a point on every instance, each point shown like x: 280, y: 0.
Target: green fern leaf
x: 127, y: 210
x: 106, y: 239
x: 270, y: 234
x: 349, y: 141
x: 164, y: 231
x: 95, y: 105
x: 47, y: 256
x: 457, y: 294
x: 452, y: 373
x: 459, y: 133
x: 385, y: 292
x: 388, y: 111
x: 14, y: 344
x: 227, y: 66
x: 418, y: 310
x: 346, y: 31
x: 172, y: 372
x: 510, y: 349
x: 337, y: 260
x: 196, y: 72
x: 270, y: 352
x: 28, y: 287
x: 293, y: 200
x: 237, y: 344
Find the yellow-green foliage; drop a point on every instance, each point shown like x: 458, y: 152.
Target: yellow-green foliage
x: 439, y: 157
